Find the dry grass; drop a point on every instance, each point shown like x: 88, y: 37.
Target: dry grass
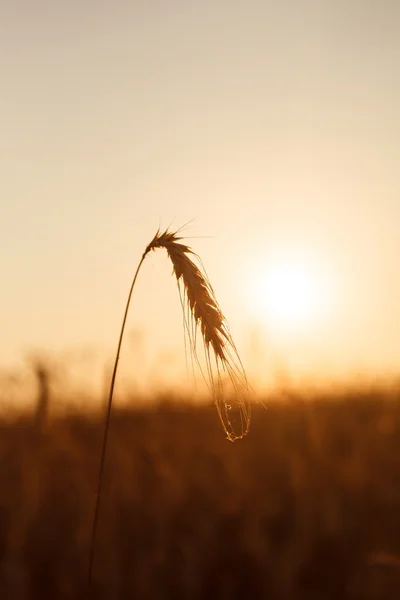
x: 306, y: 507
x: 202, y: 312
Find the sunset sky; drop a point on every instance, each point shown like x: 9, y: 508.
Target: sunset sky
x: 275, y: 125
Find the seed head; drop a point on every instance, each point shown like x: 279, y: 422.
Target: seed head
x: 202, y: 312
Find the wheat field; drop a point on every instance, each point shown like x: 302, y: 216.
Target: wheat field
x: 306, y: 506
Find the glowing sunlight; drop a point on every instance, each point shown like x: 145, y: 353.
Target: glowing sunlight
x: 289, y: 295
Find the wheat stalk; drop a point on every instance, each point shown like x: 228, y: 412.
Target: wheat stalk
x: 201, y: 313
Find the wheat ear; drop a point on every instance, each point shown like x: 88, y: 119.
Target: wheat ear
x: 201, y: 311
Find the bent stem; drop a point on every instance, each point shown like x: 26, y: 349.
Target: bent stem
x: 201, y: 313
x: 106, y: 428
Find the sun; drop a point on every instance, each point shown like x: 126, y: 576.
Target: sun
x: 288, y: 295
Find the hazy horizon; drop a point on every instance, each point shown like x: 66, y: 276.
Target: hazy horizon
x: 276, y: 126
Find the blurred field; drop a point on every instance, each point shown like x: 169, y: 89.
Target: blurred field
x: 306, y: 507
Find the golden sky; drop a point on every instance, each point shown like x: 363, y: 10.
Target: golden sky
x: 276, y: 125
